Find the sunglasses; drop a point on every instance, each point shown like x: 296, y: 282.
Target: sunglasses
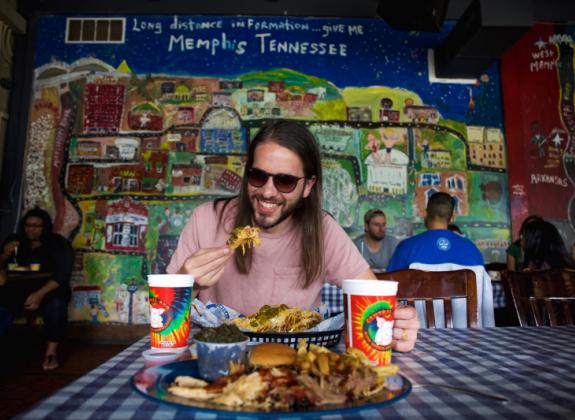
x: 284, y: 183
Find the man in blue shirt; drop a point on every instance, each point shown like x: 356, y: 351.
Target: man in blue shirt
x: 439, y: 249
x: 438, y: 244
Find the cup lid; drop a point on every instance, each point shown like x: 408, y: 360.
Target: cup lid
x: 369, y: 287
x: 170, y: 280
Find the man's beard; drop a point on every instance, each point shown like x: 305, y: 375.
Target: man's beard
x: 376, y: 237
x: 285, y: 213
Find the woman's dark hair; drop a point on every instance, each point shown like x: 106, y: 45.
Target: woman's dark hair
x: 544, y: 247
x: 529, y: 219
x: 46, y: 224
x: 297, y: 138
x: 454, y: 228
x: 526, y: 221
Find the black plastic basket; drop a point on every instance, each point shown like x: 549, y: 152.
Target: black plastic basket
x: 322, y: 338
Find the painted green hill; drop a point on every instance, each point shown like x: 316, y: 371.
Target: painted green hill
x: 295, y: 82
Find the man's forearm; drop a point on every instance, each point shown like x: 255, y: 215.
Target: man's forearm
x: 48, y: 287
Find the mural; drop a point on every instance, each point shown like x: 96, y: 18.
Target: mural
x: 135, y: 121
x: 539, y: 75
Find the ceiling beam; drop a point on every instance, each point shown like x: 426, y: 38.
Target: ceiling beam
x: 479, y: 38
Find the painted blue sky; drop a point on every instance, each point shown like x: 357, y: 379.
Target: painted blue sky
x: 357, y: 52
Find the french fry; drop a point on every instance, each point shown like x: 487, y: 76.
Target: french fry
x: 323, y: 363
x: 384, y: 371
x: 315, y: 370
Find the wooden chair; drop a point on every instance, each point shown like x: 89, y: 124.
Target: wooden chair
x: 417, y: 285
x: 541, y: 297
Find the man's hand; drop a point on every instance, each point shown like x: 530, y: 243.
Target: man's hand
x: 206, y: 265
x: 405, y: 328
x: 33, y: 301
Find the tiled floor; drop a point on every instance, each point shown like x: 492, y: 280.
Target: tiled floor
x: 22, y: 380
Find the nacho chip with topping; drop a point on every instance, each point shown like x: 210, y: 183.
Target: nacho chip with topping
x: 246, y: 236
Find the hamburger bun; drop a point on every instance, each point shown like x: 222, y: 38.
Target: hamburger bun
x: 272, y: 354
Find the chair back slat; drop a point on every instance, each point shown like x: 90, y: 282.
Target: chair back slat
x: 448, y: 313
x: 534, y: 309
x: 550, y: 308
x: 415, y: 285
x: 429, y: 314
x: 541, y: 297
x: 568, y: 310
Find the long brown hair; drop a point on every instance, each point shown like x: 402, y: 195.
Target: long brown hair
x: 297, y: 138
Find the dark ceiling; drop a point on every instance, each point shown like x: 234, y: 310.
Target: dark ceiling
x: 543, y: 10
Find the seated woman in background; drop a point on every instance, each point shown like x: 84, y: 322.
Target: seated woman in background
x: 543, y: 247
x: 34, y: 243
x: 515, y: 251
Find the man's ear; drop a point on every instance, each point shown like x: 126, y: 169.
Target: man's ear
x: 452, y: 220
x: 309, y: 183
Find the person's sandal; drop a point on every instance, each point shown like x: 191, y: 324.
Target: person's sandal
x: 50, y: 362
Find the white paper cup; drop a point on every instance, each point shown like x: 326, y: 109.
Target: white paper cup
x: 154, y: 357
x: 170, y: 302
x: 369, y: 307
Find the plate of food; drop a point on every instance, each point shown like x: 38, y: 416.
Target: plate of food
x: 277, y: 380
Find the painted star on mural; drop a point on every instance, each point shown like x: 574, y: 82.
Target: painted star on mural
x: 540, y: 44
x: 144, y: 120
x: 557, y: 140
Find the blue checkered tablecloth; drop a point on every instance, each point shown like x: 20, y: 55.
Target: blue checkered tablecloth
x: 532, y: 367
x: 332, y: 296
x: 499, y: 298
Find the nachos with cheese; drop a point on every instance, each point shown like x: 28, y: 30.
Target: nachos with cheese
x: 278, y: 318
x: 245, y: 236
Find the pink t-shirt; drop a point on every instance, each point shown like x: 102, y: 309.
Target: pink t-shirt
x: 274, y: 275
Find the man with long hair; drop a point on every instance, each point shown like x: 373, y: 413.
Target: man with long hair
x: 301, y: 245
x: 35, y: 243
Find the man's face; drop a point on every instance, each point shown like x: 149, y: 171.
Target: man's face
x: 272, y: 208
x: 375, y: 229
x: 33, y: 227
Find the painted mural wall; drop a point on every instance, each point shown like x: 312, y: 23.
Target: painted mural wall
x: 538, y: 76
x: 137, y: 120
